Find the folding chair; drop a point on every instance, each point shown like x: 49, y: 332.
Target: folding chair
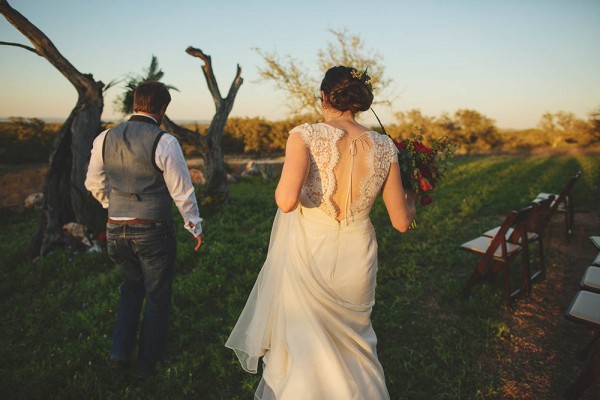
x: 499, y: 252
x: 563, y: 203
x: 535, y: 229
x: 596, y: 241
x: 596, y: 261
x: 585, y: 309
x: 591, y: 279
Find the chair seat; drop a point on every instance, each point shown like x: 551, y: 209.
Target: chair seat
x: 591, y: 279
x: 585, y: 308
x: 481, y: 244
x: 531, y: 236
x: 543, y: 196
x: 562, y: 207
x: 596, y: 261
x: 595, y: 240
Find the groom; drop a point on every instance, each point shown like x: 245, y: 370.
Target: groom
x: 136, y: 171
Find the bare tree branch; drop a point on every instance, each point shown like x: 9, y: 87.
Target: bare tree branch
x: 185, y: 135
x: 211, y: 81
x: 45, y: 48
x: 22, y: 46
x: 235, y: 85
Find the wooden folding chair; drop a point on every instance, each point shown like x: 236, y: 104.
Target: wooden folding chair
x: 498, y: 253
x: 585, y: 309
x: 563, y: 203
x: 535, y: 228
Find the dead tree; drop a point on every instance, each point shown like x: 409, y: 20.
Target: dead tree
x: 66, y: 199
x: 210, y: 144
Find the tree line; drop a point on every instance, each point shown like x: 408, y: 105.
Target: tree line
x: 470, y: 129
x: 29, y: 140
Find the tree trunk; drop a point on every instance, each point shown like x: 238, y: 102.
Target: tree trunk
x: 210, y: 145
x: 66, y: 199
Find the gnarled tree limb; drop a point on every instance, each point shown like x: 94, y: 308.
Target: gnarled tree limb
x: 45, y: 48
x: 22, y: 46
x: 207, y: 69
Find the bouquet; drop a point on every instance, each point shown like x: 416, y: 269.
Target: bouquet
x: 423, y: 167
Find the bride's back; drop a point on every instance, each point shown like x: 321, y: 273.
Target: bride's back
x: 348, y: 165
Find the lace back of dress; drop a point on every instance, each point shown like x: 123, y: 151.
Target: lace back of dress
x: 346, y: 174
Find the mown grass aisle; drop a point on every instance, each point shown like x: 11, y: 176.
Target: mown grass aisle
x: 57, y: 314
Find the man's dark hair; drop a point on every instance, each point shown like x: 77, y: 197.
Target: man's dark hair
x: 150, y: 97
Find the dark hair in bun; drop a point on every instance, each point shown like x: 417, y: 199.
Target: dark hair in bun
x: 347, y: 89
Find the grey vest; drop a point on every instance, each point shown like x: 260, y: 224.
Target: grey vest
x: 138, y: 186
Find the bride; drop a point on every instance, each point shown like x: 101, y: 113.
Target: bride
x: 308, y: 315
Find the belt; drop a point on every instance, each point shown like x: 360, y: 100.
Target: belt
x: 136, y: 221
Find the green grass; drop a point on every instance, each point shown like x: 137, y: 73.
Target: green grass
x: 57, y: 314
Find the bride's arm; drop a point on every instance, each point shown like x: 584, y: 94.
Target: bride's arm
x: 400, y: 204
x: 293, y: 174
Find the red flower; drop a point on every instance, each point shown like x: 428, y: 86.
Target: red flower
x: 400, y: 145
x: 425, y: 200
x: 423, y: 167
x: 422, y: 148
x: 101, y: 237
x: 424, y: 183
x: 425, y: 170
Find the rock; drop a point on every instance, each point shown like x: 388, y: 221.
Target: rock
x: 95, y: 247
x: 197, y: 176
x: 231, y: 178
x: 77, y: 232
x: 251, y: 169
x: 35, y: 201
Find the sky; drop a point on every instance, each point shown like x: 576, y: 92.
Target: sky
x: 511, y: 60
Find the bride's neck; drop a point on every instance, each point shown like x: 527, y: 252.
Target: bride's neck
x: 330, y: 115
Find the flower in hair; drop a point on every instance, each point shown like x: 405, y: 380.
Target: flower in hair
x: 363, y: 77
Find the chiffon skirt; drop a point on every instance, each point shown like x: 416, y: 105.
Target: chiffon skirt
x: 308, y: 314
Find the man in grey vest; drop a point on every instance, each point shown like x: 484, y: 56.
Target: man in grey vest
x: 136, y: 171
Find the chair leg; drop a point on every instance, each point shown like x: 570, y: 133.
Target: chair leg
x: 571, y: 216
x: 507, y: 294
x: 588, y: 375
x: 526, y: 271
x: 589, y: 348
x: 542, y: 258
x: 475, y: 277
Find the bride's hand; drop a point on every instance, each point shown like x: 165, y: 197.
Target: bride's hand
x: 411, y: 200
x: 411, y: 197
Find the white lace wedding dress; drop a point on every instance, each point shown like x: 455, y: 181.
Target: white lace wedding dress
x: 308, y: 314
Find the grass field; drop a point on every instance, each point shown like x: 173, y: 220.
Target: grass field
x: 57, y: 314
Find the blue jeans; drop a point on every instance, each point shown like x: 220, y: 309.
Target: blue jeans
x: 145, y: 256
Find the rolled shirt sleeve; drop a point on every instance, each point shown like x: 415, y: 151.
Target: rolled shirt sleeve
x: 169, y: 158
x: 96, y: 181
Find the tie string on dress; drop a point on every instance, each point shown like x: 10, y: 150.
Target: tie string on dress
x: 353, y: 152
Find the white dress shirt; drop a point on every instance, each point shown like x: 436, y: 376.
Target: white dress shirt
x: 169, y: 159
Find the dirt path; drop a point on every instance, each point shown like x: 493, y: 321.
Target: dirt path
x: 537, y: 359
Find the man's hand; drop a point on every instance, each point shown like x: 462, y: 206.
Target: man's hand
x: 198, y: 240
